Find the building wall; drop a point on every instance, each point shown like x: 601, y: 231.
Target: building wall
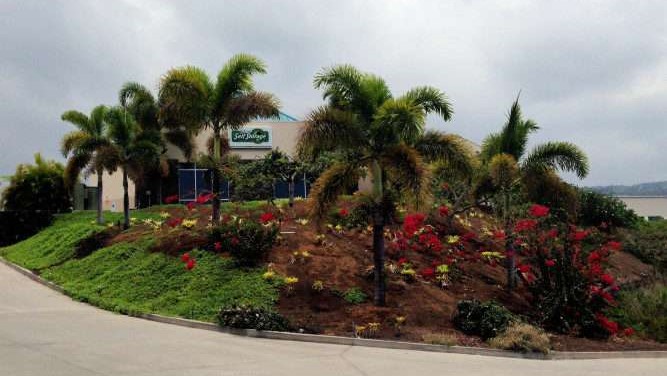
x: 113, y: 190
x: 284, y: 134
x: 284, y: 137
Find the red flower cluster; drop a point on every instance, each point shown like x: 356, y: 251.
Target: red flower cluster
x: 443, y: 210
x: 579, y: 235
x: 204, y: 198
x: 412, y: 223
x: 499, y: 235
x: 190, y: 205
x: 550, y: 263
x: 608, y: 325
x: 173, y: 222
x: 538, y: 211
x: 171, y: 199
x: 428, y: 273
x: 607, y: 279
x: 267, y: 217
x: 189, y: 261
x: 343, y: 212
x: 430, y: 241
x: 525, y: 225
x: 217, y: 246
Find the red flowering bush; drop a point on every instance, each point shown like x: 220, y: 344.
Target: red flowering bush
x: 267, y: 217
x: 564, y: 267
x: 171, y: 199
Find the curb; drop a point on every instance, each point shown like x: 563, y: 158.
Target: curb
x: 349, y: 341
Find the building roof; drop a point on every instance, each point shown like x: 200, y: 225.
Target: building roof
x: 282, y: 117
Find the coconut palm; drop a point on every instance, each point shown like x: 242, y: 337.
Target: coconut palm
x: 131, y: 149
x: 550, y: 156
x: 190, y: 99
x: 143, y: 106
x: 84, y: 147
x: 510, y: 168
x: 378, y: 134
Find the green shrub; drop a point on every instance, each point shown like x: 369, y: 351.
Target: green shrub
x: 244, y: 317
x: 37, y: 187
x: 354, y: 295
x: 596, y: 208
x: 522, y: 337
x: 248, y: 242
x: 483, y: 319
x: 648, y: 241
x: 645, y: 310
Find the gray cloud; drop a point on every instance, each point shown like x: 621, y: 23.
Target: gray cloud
x: 590, y: 73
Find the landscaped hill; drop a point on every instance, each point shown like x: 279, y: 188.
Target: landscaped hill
x: 319, y: 278
x: 643, y: 189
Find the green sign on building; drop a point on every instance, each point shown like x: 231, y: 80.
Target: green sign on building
x: 256, y: 137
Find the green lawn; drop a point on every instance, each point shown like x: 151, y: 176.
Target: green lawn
x: 126, y: 278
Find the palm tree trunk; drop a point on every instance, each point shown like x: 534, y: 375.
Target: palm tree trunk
x: 215, y: 211
x: 378, y: 259
x: 510, y: 260
x: 100, y: 197
x: 378, y: 236
x: 126, y: 201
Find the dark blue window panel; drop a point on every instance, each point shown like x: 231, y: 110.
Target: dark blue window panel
x: 224, y: 190
x: 281, y: 190
x: 186, y: 184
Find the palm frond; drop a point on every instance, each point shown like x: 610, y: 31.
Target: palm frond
x: 245, y: 108
x: 184, y: 98
x: 330, y: 185
x: 329, y: 129
x: 398, y: 120
x: 503, y: 170
x: 79, y: 119
x: 122, y: 127
x: 235, y: 78
x: 406, y: 172
x: 564, y: 156
x: 431, y: 100
x: 140, y: 102
x: 454, y: 150
x: 75, y: 164
x: 71, y: 141
x: 182, y: 140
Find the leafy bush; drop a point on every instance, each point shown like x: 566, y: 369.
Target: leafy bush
x: 18, y: 225
x: 247, y: 241
x: 483, y: 319
x: 648, y: 241
x: 596, y: 208
x: 354, y: 295
x: 522, y: 337
x: 645, y: 310
x: 37, y: 187
x: 244, y: 317
x: 564, y: 268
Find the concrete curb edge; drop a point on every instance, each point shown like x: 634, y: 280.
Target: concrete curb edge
x: 349, y: 341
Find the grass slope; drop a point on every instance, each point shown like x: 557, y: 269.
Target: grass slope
x: 126, y: 278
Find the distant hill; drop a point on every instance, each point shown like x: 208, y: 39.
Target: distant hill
x: 643, y: 189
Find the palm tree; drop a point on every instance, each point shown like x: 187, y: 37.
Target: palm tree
x: 132, y: 149
x: 143, y: 106
x: 84, y: 147
x: 189, y: 98
x: 509, y: 167
x: 375, y: 133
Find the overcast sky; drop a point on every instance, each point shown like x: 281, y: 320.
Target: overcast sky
x: 590, y: 72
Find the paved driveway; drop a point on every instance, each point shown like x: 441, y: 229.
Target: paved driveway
x: 45, y: 333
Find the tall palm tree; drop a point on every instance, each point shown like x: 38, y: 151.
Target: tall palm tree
x: 84, y: 147
x: 142, y: 105
x: 379, y: 134
x: 509, y: 166
x: 132, y: 149
x: 550, y: 156
x: 189, y: 98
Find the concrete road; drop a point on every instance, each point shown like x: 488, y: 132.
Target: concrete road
x: 43, y: 333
